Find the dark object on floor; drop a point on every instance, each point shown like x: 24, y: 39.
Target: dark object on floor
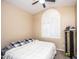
x: 70, y: 42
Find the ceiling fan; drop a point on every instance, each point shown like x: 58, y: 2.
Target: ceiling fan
x: 43, y: 2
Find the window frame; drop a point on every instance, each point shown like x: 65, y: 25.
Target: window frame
x: 52, y: 36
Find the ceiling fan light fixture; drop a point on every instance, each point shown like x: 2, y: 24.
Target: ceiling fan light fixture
x: 42, y: 1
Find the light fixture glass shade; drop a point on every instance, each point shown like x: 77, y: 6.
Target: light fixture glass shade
x: 42, y: 1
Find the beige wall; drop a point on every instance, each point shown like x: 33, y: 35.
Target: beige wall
x: 67, y: 18
x: 16, y: 24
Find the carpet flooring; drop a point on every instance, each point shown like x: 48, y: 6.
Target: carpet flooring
x: 61, y: 55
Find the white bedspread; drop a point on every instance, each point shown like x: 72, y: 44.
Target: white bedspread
x: 34, y: 50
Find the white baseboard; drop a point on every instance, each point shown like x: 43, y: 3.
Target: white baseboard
x: 60, y: 49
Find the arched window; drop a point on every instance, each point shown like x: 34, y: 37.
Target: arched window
x: 50, y: 24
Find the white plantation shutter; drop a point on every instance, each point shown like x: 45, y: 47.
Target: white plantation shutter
x: 50, y: 26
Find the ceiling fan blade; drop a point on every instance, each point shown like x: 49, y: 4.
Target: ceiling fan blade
x: 44, y: 5
x: 51, y: 0
x: 35, y: 2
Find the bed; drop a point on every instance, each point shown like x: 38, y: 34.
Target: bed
x: 33, y: 50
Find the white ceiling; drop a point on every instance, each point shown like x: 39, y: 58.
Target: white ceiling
x: 27, y: 4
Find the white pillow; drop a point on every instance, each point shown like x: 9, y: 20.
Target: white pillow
x: 16, y: 44
x: 22, y: 42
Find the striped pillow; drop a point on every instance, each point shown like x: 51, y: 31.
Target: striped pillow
x: 16, y: 44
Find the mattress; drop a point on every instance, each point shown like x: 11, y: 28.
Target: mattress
x: 34, y: 50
